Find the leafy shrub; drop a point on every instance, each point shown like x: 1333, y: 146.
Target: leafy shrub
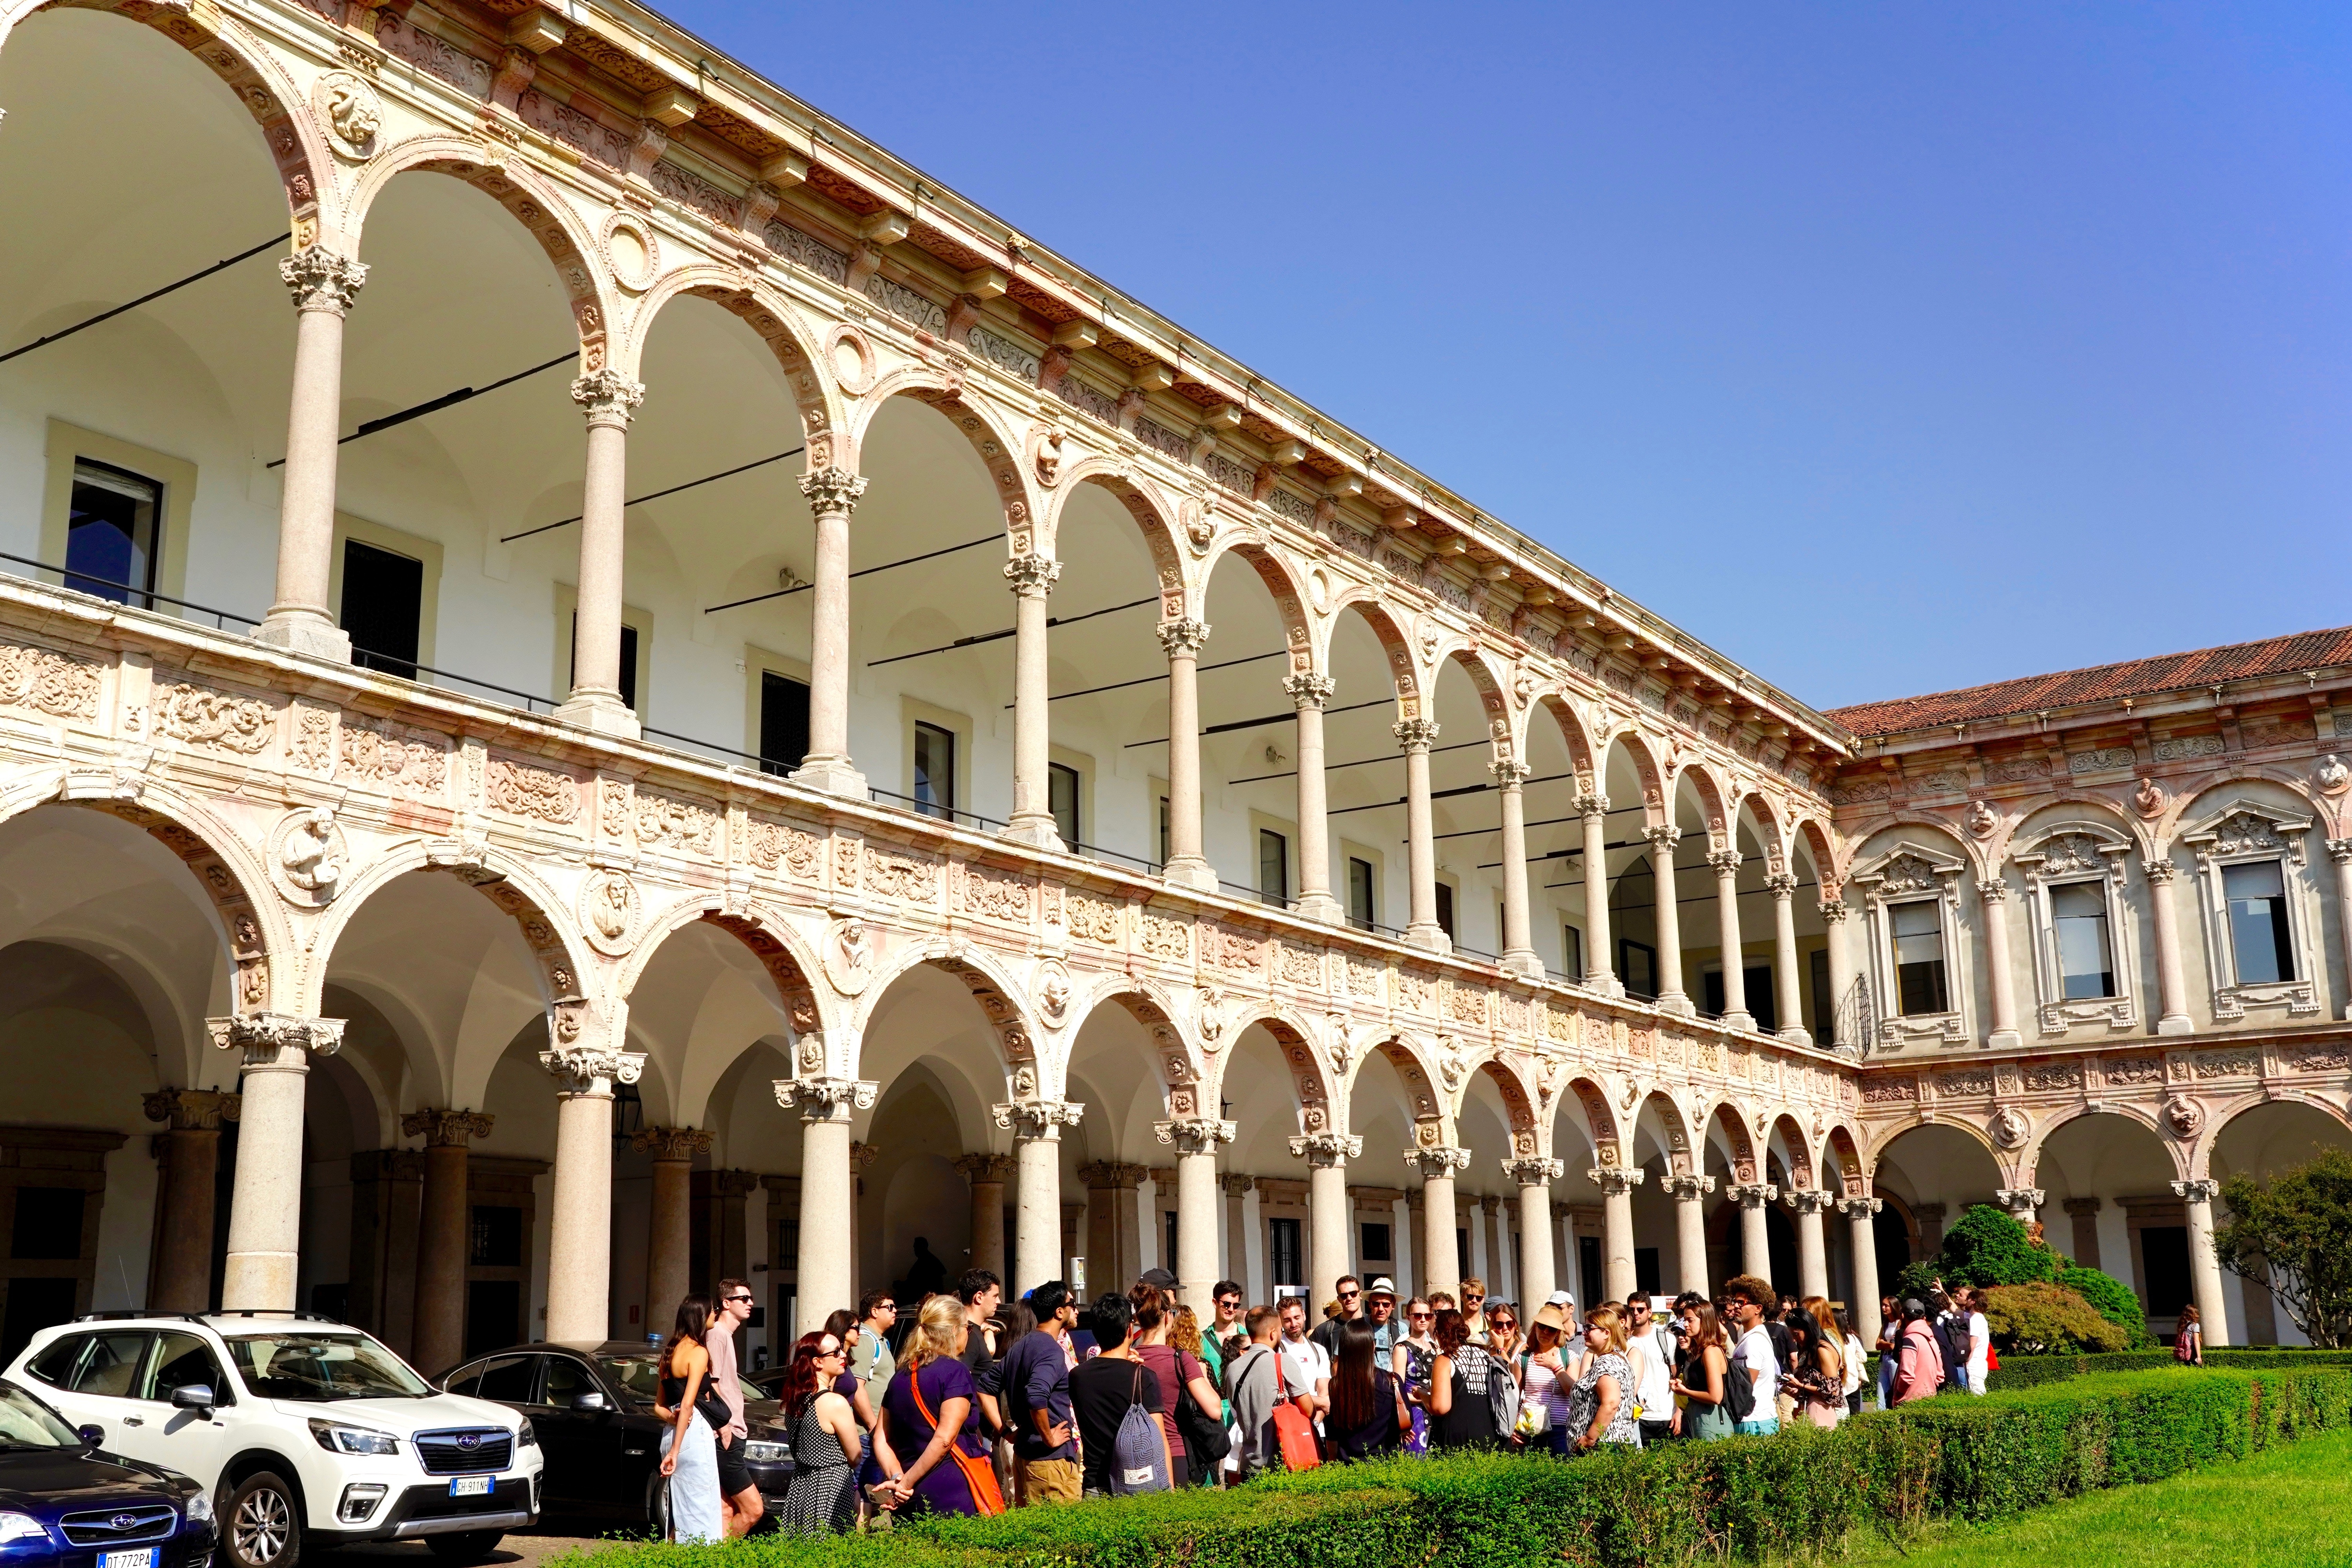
x: 2111, y: 1299
x: 2041, y: 1319
x: 1987, y: 1248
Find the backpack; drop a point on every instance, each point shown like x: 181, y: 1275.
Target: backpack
x: 1502, y: 1396
x: 1137, y: 1459
x: 1739, y: 1391
x: 1956, y: 1360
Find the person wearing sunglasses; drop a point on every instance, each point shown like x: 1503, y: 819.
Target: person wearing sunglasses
x: 823, y: 1493
x: 739, y: 1493
x: 1410, y: 1359
x: 1503, y: 1332
x: 1347, y: 1308
x: 1473, y: 1306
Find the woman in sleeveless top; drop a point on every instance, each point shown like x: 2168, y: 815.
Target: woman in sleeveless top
x: 1368, y: 1414
x: 1410, y: 1362
x: 1461, y: 1402
x: 1700, y: 1382
x: 823, y: 1493
x: 1600, y: 1407
x: 689, y: 1445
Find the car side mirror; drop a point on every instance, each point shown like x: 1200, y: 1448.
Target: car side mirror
x: 591, y: 1400
x: 193, y: 1396
x: 92, y: 1435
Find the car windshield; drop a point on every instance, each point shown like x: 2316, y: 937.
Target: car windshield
x: 314, y: 1366
x: 26, y: 1423
x: 640, y: 1375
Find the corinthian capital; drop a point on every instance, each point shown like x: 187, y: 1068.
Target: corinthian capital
x: 1032, y: 575
x: 832, y: 491
x: 1591, y: 803
x: 1860, y: 1207
x: 1726, y: 862
x: 1751, y: 1195
x: 1810, y: 1200
x: 1415, y: 734
x: 977, y: 1168
x: 1194, y: 1134
x: 1993, y: 890
x: 1833, y: 911
x: 1309, y: 689
x: 1664, y: 837
x: 826, y: 1099
x: 2197, y: 1192
x: 2160, y: 872
x: 1510, y: 773
x: 1616, y: 1180
x: 1036, y: 1121
x: 1437, y: 1161
x: 1687, y: 1187
x: 582, y: 1069
x: 1326, y: 1151
x: 671, y: 1143
x: 1182, y: 637
x: 1533, y: 1170
x: 193, y: 1110
x: 608, y: 397
x: 445, y: 1129
x: 322, y: 279
x: 263, y: 1038
x: 1781, y: 885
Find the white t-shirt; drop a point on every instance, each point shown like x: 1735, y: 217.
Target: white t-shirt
x: 1304, y: 1364
x: 1854, y: 1364
x: 1653, y: 1378
x: 1979, y: 1344
x: 1753, y: 1353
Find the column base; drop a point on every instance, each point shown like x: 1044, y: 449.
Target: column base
x: 1322, y: 907
x: 2004, y: 1040
x: 1743, y: 1022
x: 2180, y: 1023
x: 305, y: 631
x: 1433, y: 937
x: 1189, y: 871
x: 1676, y: 1003
x: 829, y: 776
x: 602, y: 712
x: 1524, y: 962
x: 1795, y: 1036
x: 1039, y: 831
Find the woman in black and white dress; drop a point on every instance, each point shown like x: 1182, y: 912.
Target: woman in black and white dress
x: 823, y: 1493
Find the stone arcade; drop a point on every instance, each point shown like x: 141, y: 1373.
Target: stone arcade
x: 915, y: 746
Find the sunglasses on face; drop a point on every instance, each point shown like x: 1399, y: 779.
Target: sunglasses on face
x: 1474, y: 1298
x: 733, y: 1300
x: 1349, y: 1295
x: 1503, y: 1324
x: 1421, y: 1317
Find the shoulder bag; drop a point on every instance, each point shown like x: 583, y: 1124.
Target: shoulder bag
x: 979, y: 1475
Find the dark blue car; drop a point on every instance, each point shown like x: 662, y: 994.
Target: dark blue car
x: 64, y: 1502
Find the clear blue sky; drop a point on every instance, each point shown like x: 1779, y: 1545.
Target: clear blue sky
x: 1888, y: 348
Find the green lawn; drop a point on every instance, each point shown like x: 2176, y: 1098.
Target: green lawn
x: 2291, y: 1508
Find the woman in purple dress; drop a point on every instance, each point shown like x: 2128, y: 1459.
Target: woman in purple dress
x: 927, y: 1433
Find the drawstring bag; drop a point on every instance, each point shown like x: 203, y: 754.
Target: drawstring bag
x: 1139, y: 1453
x: 979, y: 1474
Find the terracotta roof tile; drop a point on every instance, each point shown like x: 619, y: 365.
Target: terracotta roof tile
x: 2106, y: 682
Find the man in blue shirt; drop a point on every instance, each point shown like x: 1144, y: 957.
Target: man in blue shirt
x: 1034, y: 1377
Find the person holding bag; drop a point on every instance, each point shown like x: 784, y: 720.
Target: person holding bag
x: 695, y: 1414
x: 927, y: 1433
x: 1122, y: 1445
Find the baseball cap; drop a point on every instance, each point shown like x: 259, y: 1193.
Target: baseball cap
x: 1159, y: 1279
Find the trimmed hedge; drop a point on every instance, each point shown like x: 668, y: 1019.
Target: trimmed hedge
x: 1804, y: 1491
x: 2031, y: 1371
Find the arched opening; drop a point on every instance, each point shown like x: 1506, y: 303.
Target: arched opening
x: 1390, y: 1097
x: 2259, y: 1143
x: 1371, y: 670
x: 1118, y: 1071
x: 1936, y: 1171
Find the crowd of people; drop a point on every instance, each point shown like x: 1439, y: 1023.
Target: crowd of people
x: 971, y: 1404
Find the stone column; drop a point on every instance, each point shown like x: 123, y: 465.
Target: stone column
x: 324, y: 283
x: 1812, y: 1250
x: 444, y: 1234
x: 1032, y: 577
x: 2171, y: 981
x: 828, y: 1267
x: 2339, y: 850
x: 1600, y: 951
x: 1036, y: 1128
x: 184, y: 1245
x: 1441, y: 1259
x: 265, y: 1216
x: 833, y: 494
x: 2204, y: 1263
x: 1689, y: 1190
x: 580, y: 1229
x: 987, y: 1174
x: 1416, y: 736
x: 1862, y: 1237
x: 1755, y: 1237
x: 1726, y: 863
x: 1833, y: 913
x: 1237, y: 1190
x: 1786, y: 998
x: 1617, y: 1183
x: 609, y: 400
x: 1112, y: 1253
x: 1196, y: 1140
x: 1992, y: 895
x: 730, y: 1258
x: 2021, y: 1202
x: 1518, y: 934
x: 1672, y: 996
x: 861, y: 1158
x: 1315, y: 899
x: 1328, y: 1210
x: 2084, y: 1213
x: 1187, y: 866
x: 1931, y: 1228
x: 1538, y: 1271
x: 669, y: 1241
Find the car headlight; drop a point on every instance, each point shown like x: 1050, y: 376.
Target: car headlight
x: 526, y: 1437
x: 756, y: 1452
x: 200, y: 1505
x: 21, y: 1526
x: 338, y: 1438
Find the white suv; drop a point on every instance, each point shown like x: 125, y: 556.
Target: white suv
x: 305, y: 1431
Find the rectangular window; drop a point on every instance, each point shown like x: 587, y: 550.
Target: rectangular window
x: 1918, y: 958
x: 1272, y: 867
x: 934, y: 771
x: 1460, y: 1252
x: 1282, y: 1252
x: 2258, y: 933
x: 382, y: 608
x: 110, y: 534
x: 1587, y: 1266
x: 1372, y: 1244
x: 2087, y: 967
x: 1824, y: 1004
x: 1637, y: 966
x: 1164, y: 830
x: 1763, y: 999
x: 1646, y: 1277
x: 2164, y: 1258
x: 784, y: 722
x: 1062, y: 800
x: 1363, y: 910
x: 1572, y: 947
x: 628, y: 661
x: 48, y: 1223
x: 1445, y: 910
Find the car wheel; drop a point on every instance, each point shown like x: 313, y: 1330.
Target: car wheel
x: 465, y: 1546
x: 658, y: 1506
x: 261, y: 1524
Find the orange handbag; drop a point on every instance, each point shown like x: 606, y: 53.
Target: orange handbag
x: 978, y: 1474
x: 1295, y: 1431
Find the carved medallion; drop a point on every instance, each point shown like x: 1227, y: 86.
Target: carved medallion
x: 608, y: 911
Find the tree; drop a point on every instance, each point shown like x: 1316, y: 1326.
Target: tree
x: 2293, y: 1234
x: 1987, y: 1248
x: 2043, y: 1318
x: 2111, y: 1299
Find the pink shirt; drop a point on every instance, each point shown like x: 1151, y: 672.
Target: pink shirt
x: 1919, y: 1366
x: 719, y: 1341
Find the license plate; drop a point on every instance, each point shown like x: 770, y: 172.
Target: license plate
x: 144, y: 1557
x: 464, y: 1485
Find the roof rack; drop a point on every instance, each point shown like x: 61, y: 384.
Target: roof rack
x: 119, y: 1314
x: 276, y: 1312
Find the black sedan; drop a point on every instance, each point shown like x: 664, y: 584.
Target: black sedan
x: 63, y: 1501
x: 592, y: 1406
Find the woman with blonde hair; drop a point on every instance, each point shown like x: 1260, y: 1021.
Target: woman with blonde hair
x: 1827, y: 1407
x: 927, y: 1433
x: 1601, y: 1409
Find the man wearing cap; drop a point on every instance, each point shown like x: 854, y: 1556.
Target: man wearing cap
x: 1159, y: 1279
x: 1919, y: 1363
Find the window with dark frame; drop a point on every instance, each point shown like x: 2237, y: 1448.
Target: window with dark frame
x: 1637, y: 966
x: 1272, y: 867
x: 2086, y: 965
x: 1918, y: 935
x: 1062, y: 800
x: 1164, y: 830
x: 1283, y: 1254
x: 628, y: 662
x: 1573, y: 947
x: 784, y: 722
x: 382, y: 608
x: 1363, y: 908
x: 113, y: 526
x: 1445, y: 910
x: 934, y: 771
x: 1373, y: 1242
x: 2261, y: 947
